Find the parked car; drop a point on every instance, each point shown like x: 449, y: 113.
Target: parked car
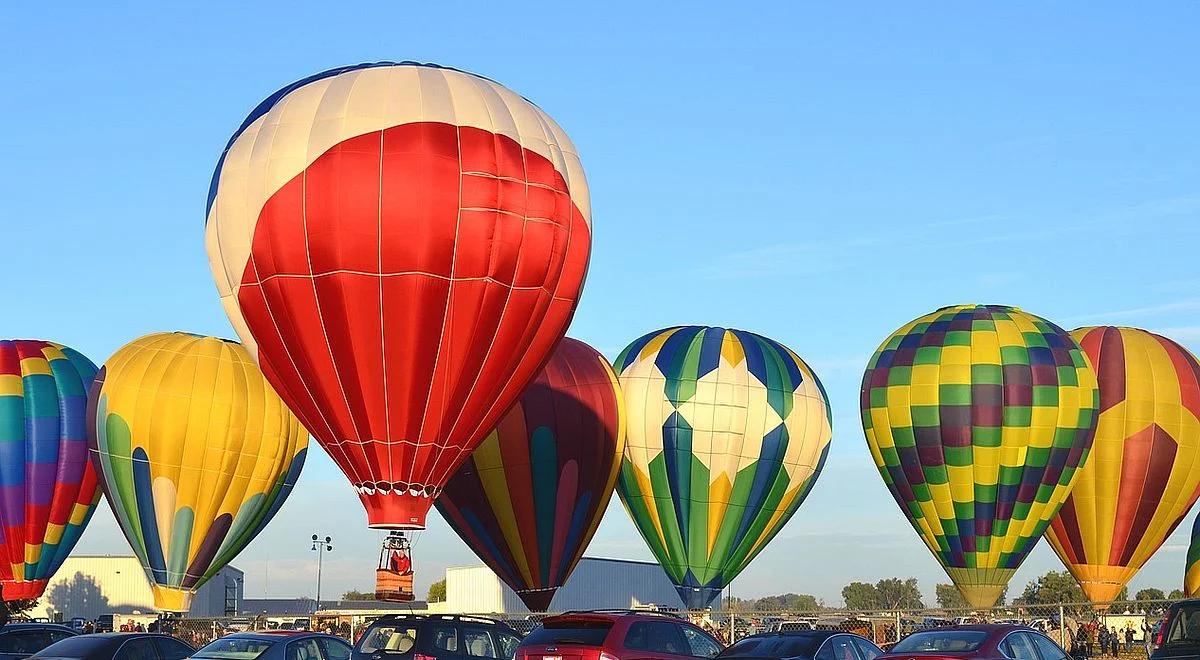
x: 803, y: 645
x: 276, y: 645
x: 444, y: 637
x: 21, y: 640
x: 118, y: 646
x: 617, y: 635
x: 981, y: 641
x: 1178, y: 636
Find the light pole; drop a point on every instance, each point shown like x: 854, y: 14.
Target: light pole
x: 321, y: 546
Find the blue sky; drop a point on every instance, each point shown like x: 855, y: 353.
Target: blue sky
x: 819, y: 175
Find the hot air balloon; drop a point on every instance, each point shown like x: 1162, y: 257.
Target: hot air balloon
x: 727, y: 433
x: 978, y: 418
x: 48, y: 489
x: 1191, y: 577
x: 195, y: 452
x: 1144, y: 472
x: 400, y: 246
x: 531, y: 496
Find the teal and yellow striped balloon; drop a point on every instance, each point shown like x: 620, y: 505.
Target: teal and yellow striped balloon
x: 727, y: 433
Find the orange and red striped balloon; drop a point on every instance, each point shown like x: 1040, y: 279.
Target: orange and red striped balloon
x: 1144, y: 472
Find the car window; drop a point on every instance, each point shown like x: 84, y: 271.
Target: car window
x: 508, y: 644
x: 954, y: 641
x: 477, y: 643
x: 866, y: 649
x: 302, y: 649
x: 1185, y: 625
x: 570, y: 631
x: 59, y: 635
x: 396, y: 637
x: 334, y: 649
x: 1019, y: 646
x: 141, y: 648
x: 172, y: 649
x: 701, y: 645
x: 442, y: 637
x: 24, y: 642
x: 656, y: 637
x: 1048, y: 649
x: 838, y: 647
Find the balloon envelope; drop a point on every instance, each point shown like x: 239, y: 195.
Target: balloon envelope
x: 196, y: 453
x: 531, y: 496
x: 1144, y: 472
x: 400, y: 246
x: 978, y: 418
x: 727, y: 433
x: 1191, y: 577
x: 48, y: 488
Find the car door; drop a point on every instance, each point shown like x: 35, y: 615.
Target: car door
x: 655, y: 640
x: 506, y: 644
x: 1019, y: 646
x: 138, y: 648
x: 302, y: 649
x: 333, y: 648
x: 170, y: 648
x: 1047, y: 648
x: 866, y: 648
x: 476, y: 642
x: 838, y: 647
x: 700, y: 643
x: 441, y: 639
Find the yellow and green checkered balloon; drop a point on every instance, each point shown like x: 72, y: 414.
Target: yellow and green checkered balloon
x: 979, y: 418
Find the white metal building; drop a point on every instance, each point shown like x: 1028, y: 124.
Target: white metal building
x: 595, y: 583
x: 89, y: 586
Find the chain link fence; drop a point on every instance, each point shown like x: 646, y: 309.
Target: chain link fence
x: 1123, y: 631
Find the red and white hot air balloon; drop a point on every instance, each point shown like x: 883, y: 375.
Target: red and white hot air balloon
x: 401, y: 246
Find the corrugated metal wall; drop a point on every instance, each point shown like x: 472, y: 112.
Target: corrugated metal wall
x: 90, y: 586
x: 596, y: 583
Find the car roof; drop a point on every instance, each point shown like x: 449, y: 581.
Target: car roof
x: 981, y: 627
x: 610, y: 614
x: 34, y: 625
x: 798, y: 633
x: 436, y: 617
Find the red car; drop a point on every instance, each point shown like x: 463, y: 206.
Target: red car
x: 617, y: 635
x: 980, y: 642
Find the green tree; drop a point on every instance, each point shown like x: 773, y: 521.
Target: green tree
x: 788, y: 602
x: 1052, y: 588
x: 949, y: 597
x: 897, y: 594
x: 437, y: 592
x: 860, y: 596
x: 1150, y: 594
x: 1176, y: 594
x: 354, y: 594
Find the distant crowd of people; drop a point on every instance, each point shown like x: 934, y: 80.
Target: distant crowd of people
x: 1087, y: 637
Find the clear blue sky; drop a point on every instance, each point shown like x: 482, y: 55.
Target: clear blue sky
x: 818, y: 175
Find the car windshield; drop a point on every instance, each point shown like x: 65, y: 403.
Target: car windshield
x: 397, y: 637
x: 1185, y: 625
x: 774, y: 646
x: 235, y: 648
x: 588, y: 633
x: 942, y: 641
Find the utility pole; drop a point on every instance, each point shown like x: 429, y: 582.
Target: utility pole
x: 321, y: 546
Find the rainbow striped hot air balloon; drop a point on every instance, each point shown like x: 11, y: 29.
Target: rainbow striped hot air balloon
x: 1144, y: 473
x: 48, y: 488
x: 728, y: 431
x: 196, y: 453
x: 978, y: 418
x: 531, y: 496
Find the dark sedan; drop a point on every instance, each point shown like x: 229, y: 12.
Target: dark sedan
x: 978, y: 642
x: 276, y: 645
x: 118, y: 646
x: 803, y: 645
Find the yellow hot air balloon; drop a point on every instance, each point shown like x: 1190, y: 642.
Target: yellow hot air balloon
x: 195, y: 453
x: 1144, y: 473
